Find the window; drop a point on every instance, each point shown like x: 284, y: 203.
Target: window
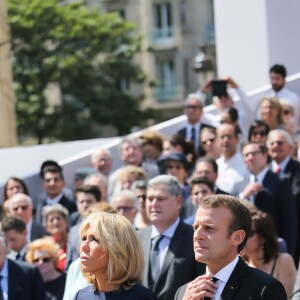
x: 183, y: 10
x: 162, y: 20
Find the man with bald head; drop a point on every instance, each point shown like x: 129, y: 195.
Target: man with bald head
x: 20, y: 205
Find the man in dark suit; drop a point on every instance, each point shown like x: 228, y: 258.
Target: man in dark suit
x: 19, y: 280
x: 14, y: 231
x: 281, y: 146
x: 193, y: 107
x: 20, y: 205
x: 53, y: 182
x: 221, y: 229
x: 170, y: 261
x: 270, y: 193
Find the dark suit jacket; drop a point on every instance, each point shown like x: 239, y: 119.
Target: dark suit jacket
x: 179, y: 264
x: 24, y: 282
x: 73, y: 244
x: 136, y: 292
x: 246, y: 283
x: 292, y: 173
x: 276, y: 199
x: 182, y: 132
x: 64, y: 201
x: 37, y: 231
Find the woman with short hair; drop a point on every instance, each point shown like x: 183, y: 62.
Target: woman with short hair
x: 112, y: 259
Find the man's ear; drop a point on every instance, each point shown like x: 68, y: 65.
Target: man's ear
x: 238, y: 237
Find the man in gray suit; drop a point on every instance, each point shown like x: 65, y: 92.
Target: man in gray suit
x: 168, y: 243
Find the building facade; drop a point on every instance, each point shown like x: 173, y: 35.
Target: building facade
x: 172, y: 31
x: 8, y: 135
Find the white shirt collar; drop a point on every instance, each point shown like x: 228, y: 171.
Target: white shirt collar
x: 54, y: 200
x: 169, y: 232
x: 225, y: 273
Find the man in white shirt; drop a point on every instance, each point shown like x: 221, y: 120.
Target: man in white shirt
x: 221, y: 229
x: 279, y: 90
x: 232, y: 172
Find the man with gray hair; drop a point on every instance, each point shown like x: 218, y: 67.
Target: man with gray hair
x: 193, y: 107
x: 102, y: 160
x: 20, y: 205
x: 281, y: 146
x: 168, y: 243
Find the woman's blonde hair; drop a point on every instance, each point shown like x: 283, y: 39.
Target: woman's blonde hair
x: 43, y: 244
x: 120, y: 240
x: 137, y: 172
x: 275, y: 104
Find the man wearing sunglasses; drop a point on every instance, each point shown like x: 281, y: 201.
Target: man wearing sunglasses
x: 193, y: 107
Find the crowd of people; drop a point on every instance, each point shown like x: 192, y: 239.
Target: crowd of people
x: 211, y: 212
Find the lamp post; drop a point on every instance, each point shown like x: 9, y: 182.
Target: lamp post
x: 203, y: 67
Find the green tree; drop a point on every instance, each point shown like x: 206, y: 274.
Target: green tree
x: 84, y: 52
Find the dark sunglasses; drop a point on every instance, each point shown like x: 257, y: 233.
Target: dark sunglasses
x: 286, y: 112
x: 261, y: 133
x: 208, y: 140
x: 192, y: 106
x: 41, y: 259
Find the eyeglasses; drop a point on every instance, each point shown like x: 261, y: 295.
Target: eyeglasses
x: 143, y: 197
x: 23, y: 207
x: 252, y: 232
x: 41, y: 259
x: 210, y: 141
x: 125, y: 209
x: 261, y: 133
x: 253, y: 153
x: 192, y: 107
x: 286, y: 112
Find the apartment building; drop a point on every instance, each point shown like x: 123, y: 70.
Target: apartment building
x: 8, y: 136
x: 172, y: 32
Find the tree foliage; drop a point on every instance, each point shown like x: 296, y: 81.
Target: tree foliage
x: 84, y: 52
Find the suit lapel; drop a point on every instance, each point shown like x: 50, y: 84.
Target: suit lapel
x: 171, y: 253
x: 14, y: 284
x: 234, y: 280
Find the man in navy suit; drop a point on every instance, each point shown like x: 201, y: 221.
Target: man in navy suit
x: 270, y: 193
x: 19, y: 280
x: 193, y: 108
x: 281, y: 146
x: 221, y: 229
x: 175, y: 263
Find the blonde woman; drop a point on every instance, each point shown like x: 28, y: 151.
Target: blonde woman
x: 111, y: 259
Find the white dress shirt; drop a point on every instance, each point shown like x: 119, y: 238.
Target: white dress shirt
x: 4, y: 281
x: 54, y: 200
x: 233, y: 176
x: 223, y: 276
x: 282, y: 165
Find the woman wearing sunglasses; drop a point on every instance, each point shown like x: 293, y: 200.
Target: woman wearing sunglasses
x: 44, y: 254
x: 262, y: 252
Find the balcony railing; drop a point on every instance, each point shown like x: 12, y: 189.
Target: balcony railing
x: 165, y: 93
x: 163, y: 37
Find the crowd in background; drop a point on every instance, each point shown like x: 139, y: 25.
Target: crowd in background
x: 242, y: 149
